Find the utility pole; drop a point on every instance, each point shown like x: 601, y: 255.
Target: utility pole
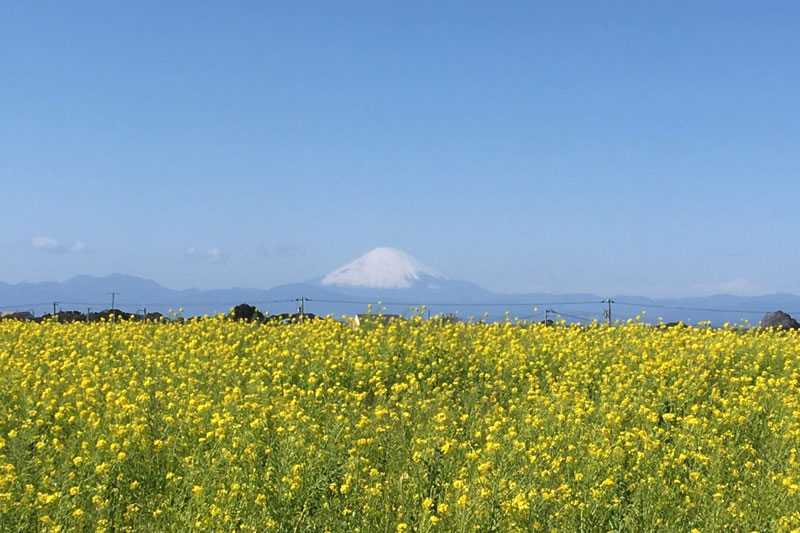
x: 55, y: 305
x: 113, y: 309
x: 546, y: 315
x: 301, y: 310
x: 607, y: 312
x: 88, y: 314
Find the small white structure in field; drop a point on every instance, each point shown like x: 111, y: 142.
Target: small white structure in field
x: 382, y: 318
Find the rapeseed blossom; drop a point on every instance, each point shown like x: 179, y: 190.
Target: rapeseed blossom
x: 401, y: 426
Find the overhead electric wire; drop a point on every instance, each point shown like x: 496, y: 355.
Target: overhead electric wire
x: 175, y: 304
x: 25, y: 305
x: 442, y: 304
x: 573, y: 316
x: 195, y: 304
x: 140, y: 304
x: 681, y: 308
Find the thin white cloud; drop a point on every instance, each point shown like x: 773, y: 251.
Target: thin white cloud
x: 738, y: 287
x: 210, y: 255
x: 49, y: 244
x: 287, y: 250
x: 281, y: 251
x: 43, y: 242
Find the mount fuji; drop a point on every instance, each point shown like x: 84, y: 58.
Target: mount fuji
x: 383, y: 268
x: 391, y: 273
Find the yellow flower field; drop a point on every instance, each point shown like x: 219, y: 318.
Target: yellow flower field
x: 215, y: 425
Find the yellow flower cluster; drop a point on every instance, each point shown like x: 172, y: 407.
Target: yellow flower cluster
x: 401, y: 426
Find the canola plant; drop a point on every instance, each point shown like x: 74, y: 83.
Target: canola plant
x: 411, y: 425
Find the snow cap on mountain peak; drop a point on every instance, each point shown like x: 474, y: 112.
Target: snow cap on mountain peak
x: 381, y: 268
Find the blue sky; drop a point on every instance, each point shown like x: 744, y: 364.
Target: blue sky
x: 613, y: 147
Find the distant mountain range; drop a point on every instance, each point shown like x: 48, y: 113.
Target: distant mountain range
x: 384, y: 275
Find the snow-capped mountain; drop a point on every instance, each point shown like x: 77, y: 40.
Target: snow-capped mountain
x: 381, y: 268
x: 390, y: 273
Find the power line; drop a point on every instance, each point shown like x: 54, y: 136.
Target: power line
x: 710, y: 310
x: 25, y: 305
x: 277, y: 301
x: 195, y: 304
x: 459, y: 304
x: 148, y: 304
x: 559, y: 313
x: 608, y: 302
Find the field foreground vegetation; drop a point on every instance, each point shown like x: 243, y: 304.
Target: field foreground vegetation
x: 215, y: 425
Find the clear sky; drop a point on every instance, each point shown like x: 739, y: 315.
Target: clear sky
x: 646, y: 148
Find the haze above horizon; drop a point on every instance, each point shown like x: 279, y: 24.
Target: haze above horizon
x: 564, y: 148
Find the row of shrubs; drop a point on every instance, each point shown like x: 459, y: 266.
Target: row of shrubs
x: 243, y: 312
